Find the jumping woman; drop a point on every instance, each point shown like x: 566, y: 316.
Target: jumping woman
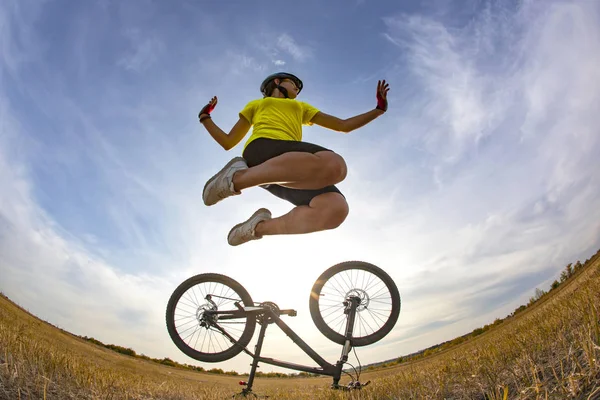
x: 276, y: 159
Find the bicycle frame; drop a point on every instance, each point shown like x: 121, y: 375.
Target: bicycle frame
x: 267, y: 315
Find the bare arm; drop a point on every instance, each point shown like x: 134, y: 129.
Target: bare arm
x: 345, y: 125
x: 350, y: 124
x: 226, y: 140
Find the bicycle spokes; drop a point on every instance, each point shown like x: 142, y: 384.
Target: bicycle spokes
x: 373, y: 310
x: 197, y: 323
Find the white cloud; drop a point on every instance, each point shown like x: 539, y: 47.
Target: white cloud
x: 288, y: 44
x: 41, y: 261
x: 279, y: 47
x: 457, y: 101
x: 241, y: 64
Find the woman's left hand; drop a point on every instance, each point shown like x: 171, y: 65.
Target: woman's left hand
x: 382, y: 89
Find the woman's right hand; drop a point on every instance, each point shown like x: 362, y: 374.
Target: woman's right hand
x: 207, y: 109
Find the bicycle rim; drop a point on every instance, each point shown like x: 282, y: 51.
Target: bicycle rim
x: 199, y: 334
x: 377, y: 312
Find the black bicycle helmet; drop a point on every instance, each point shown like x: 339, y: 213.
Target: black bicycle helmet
x: 280, y: 75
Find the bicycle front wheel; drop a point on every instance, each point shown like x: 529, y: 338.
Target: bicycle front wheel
x: 197, y: 331
x: 376, y: 314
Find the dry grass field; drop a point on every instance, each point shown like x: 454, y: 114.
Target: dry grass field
x: 548, y: 351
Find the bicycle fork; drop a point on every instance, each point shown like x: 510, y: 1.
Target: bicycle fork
x: 351, y: 305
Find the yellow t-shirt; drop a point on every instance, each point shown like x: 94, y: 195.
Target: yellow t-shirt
x: 277, y: 118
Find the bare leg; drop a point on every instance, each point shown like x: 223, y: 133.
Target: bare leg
x: 325, y: 211
x: 297, y: 170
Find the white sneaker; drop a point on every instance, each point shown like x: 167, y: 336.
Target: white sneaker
x: 244, y: 232
x: 220, y: 186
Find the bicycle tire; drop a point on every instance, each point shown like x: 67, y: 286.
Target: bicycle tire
x: 211, y: 279
x: 327, y: 276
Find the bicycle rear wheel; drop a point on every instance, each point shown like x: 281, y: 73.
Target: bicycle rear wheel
x: 205, y: 336
x: 377, y: 312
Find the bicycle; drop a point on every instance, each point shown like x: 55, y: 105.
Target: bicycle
x: 211, y: 317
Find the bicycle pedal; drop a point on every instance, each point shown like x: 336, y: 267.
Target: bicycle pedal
x: 357, y: 385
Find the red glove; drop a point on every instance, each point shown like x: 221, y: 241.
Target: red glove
x: 382, y: 89
x: 207, y: 109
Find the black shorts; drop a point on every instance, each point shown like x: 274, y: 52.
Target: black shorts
x: 263, y: 149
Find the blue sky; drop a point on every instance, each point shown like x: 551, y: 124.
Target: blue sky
x: 477, y: 186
